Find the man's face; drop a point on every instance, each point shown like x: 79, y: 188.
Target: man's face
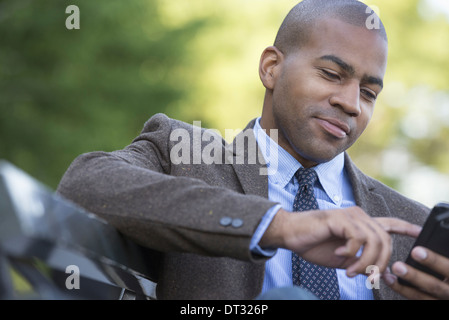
x: 324, y: 93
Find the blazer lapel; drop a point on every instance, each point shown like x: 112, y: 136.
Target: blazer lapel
x: 248, y: 162
x: 365, y: 192
x: 374, y: 204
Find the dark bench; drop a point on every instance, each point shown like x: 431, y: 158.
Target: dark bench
x: 60, y: 251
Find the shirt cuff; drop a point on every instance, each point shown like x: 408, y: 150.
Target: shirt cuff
x: 263, y: 225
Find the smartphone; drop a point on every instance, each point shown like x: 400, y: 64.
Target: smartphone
x: 434, y: 236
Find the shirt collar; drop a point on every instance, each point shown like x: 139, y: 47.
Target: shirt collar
x: 330, y: 174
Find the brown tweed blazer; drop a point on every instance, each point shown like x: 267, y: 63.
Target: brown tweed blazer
x: 178, y: 209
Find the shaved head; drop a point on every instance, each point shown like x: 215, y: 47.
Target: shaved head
x: 306, y: 15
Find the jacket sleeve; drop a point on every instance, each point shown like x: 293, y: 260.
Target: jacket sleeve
x: 134, y: 190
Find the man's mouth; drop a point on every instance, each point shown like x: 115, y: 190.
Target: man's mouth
x: 334, y: 126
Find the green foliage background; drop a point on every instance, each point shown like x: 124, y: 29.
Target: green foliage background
x: 65, y: 92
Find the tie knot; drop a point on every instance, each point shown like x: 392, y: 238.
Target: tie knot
x: 306, y: 176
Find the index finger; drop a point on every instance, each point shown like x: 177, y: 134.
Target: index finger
x: 398, y: 226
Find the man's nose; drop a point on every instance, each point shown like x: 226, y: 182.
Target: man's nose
x: 347, y: 98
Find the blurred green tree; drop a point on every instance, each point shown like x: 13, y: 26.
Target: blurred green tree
x: 64, y: 92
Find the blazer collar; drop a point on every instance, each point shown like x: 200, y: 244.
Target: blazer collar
x: 364, y: 190
x: 248, y: 162
x: 375, y: 205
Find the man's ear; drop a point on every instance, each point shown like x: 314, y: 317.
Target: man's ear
x: 269, y: 66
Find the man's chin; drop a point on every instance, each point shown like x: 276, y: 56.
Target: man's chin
x: 313, y: 159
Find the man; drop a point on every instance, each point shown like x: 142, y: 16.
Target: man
x: 227, y: 231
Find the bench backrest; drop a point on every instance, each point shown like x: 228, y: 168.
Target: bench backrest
x: 62, y: 251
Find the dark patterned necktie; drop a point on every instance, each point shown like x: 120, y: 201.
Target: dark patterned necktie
x: 321, y: 281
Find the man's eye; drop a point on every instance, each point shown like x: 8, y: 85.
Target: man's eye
x: 368, y: 95
x: 331, y: 75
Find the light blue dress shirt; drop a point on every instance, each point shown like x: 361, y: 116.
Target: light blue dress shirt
x: 333, y: 191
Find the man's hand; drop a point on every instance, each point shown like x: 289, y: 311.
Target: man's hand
x: 427, y: 286
x: 332, y: 238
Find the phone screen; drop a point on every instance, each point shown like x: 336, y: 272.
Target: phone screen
x: 434, y: 236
